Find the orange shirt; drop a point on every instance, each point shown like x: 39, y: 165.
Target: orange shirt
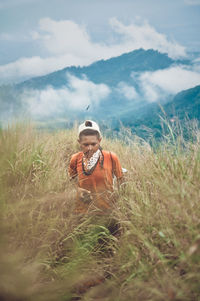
x: 100, y: 182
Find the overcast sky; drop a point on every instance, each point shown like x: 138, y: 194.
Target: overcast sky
x: 41, y: 36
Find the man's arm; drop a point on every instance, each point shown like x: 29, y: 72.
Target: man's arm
x: 72, y: 169
x: 117, y: 170
x: 83, y: 194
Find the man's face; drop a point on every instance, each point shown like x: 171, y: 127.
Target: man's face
x: 89, y: 144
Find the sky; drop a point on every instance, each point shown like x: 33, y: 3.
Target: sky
x: 41, y: 36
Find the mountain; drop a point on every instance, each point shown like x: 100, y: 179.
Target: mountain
x: 109, y: 72
x: 109, y: 91
x: 184, y: 106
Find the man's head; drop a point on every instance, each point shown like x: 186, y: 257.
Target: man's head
x: 89, y: 137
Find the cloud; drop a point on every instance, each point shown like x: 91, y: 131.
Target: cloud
x: 62, y: 36
x: 35, y: 66
x: 127, y: 91
x: 147, y: 37
x: 77, y: 95
x: 66, y: 43
x: 156, y: 85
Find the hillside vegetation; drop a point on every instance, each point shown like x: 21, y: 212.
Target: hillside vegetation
x: 49, y: 253
x: 184, y: 106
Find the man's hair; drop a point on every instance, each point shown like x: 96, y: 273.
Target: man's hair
x: 89, y: 132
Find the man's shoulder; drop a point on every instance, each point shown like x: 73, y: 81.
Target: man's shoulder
x: 76, y: 155
x: 109, y: 153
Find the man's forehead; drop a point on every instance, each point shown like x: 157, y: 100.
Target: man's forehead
x: 89, y: 138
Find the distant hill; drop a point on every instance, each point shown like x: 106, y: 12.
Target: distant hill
x: 112, y: 109
x: 109, y: 72
x: 184, y: 106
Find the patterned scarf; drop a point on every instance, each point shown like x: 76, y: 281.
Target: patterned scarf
x: 89, y: 164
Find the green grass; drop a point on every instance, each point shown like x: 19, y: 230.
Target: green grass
x: 49, y: 253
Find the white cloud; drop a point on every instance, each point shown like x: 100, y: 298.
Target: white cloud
x: 67, y: 43
x: 197, y: 60
x: 78, y: 94
x: 35, y: 66
x: 65, y: 36
x: 147, y: 37
x: 156, y: 85
x: 127, y: 91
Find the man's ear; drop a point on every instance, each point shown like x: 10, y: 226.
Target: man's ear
x: 78, y: 140
x: 100, y: 139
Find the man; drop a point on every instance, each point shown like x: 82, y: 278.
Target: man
x: 94, y: 169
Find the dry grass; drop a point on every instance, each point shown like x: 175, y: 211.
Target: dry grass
x: 48, y: 253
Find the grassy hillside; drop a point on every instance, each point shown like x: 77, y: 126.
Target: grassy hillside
x: 49, y: 253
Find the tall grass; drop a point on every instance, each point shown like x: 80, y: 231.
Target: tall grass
x: 49, y: 253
